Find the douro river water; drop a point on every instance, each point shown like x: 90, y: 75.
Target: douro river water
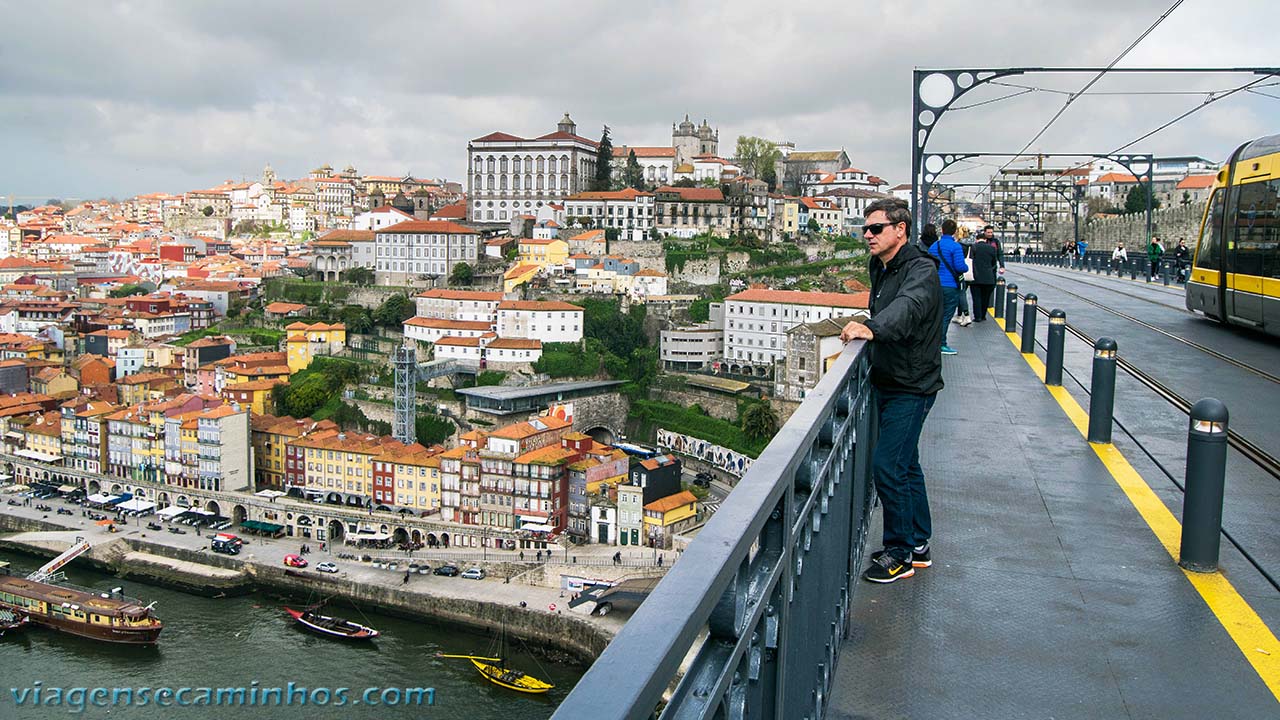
x: 224, y: 645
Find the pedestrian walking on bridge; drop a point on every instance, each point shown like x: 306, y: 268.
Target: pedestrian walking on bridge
x: 905, y: 334
x: 951, y: 269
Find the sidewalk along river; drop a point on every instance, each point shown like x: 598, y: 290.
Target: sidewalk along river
x: 232, y: 642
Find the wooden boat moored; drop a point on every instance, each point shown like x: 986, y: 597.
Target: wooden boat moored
x: 495, y: 671
x: 330, y: 626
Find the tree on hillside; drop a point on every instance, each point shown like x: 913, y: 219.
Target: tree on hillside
x: 604, y: 163
x: 462, y: 274
x: 358, y: 276
x: 634, y: 177
x: 684, y: 182
x: 394, y: 311
x: 1136, y: 200
x: 128, y: 290
x: 758, y: 158
x: 760, y: 422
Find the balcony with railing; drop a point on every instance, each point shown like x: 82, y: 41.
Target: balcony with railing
x: 761, y: 596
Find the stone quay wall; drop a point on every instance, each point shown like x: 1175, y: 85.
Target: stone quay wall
x: 1103, y: 234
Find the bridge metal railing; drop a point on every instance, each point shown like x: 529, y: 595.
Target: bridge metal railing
x: 760, y: 599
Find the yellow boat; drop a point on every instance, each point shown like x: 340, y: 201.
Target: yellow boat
x: 504, y: 676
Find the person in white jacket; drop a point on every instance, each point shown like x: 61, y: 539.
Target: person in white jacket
x: 1119, y: 257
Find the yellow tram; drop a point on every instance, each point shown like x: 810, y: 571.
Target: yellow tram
x: 1235, y: 275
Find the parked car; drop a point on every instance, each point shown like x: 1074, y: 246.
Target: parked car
x: 297, y: 561
x: 327, y: 567
x: 473, y: 574
x: 447, y: 569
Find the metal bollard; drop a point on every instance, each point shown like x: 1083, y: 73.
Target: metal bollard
x: 999, y: 308
x: 1102, y: 390
x: 1133, y: 268
x: 1109, y: 267
x: 1029, y: 304
x: 1206, y: 476
x: 1053, y: 351
x: 1011, y: 309
x: 1164, y: 273
x: 1149, y: 272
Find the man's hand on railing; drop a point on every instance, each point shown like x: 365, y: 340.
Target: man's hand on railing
x: 856, y: 331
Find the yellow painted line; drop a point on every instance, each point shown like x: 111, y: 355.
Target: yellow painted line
x: 1256, y: 641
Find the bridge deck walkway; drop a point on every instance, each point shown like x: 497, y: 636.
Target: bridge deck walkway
x: 1050, y: 596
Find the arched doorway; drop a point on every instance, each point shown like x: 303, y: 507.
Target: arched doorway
x: 140, y: 492
x: 400, y: 536
x: 432, y: 540
x: 115, y: 489
x: 337, y: 531
x: 164, y: 498
x: 184, y: 501
x: 239, y: 514
x: 333, y: 498
x: 213, y: 507
x: 94, y: 487
x: 444, y: 540
x: 416, y: 536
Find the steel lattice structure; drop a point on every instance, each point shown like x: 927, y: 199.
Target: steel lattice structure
x: 403, y: 427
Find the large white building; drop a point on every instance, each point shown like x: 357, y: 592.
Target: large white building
x: 629, y: 211
x: 510, y: 175
x: 552, y: 321
x: 466, y: 305
x: 657, y: 164
x: 757, y: 321
x: 415, y: 248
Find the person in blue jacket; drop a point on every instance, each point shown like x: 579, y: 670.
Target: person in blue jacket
x: 951, y: 268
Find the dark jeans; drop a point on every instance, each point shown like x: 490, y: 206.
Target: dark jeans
x: 962, y: 301
x: 981, y: 300
x: 895, y: 466
x: 950, y: 297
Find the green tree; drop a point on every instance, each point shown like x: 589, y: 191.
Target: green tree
x: 462, y: 274
x: 128, y: 290
x: 604, y: 163
x: 634, y: 176
x: 758, y: 158
x: 709, y: 183
x: 394, y: 311
x: 684, y: 182
x: 358, y: 276
x: 813, y: 226
x: 357, y: 319
x: 760, y: 422
x: 1136, y: 200
x: 207, y: 211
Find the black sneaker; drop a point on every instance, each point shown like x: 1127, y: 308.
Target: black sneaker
x: 919, y: 556
x: 885, y: 568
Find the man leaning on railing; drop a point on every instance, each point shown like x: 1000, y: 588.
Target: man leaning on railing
x: 905, y: 330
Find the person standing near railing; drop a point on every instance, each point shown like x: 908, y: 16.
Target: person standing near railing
x: 905, y: 334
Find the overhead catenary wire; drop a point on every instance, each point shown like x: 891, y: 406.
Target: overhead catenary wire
x: 1101, y: 73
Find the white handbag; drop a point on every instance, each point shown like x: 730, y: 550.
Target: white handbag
x: 968, y: 261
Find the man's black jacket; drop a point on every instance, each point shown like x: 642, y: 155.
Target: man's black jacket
x: 906, y: 317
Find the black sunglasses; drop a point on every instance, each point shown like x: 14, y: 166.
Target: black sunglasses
x: 877, y: 228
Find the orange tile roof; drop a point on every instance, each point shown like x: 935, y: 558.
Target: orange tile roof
x: 694, y: 194
x: 280, y: 308
x: 429, y: 226
x: 799, y: 297
x: 538, y: 306
x: 590, y: 236
x: 515, y: 344
x: 623, y: 194
x: 442, y: 324
x: 1116, y: 178
x: 477, y: 295
x: 671, y: 502
x: 549, y: 455
x: 1196, y: 182
x: 449, y: 340
x: 623, y: 151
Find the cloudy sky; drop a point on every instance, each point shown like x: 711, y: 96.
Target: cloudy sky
x: 118, y: 98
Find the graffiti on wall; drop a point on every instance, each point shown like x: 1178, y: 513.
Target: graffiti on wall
x: 732, y: 462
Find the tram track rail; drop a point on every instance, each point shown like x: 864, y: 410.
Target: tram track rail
x: 1172, y: 336
x: 1252, y: 452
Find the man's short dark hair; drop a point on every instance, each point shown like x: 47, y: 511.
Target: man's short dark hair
x: 896, y: 210
x: 948, y: 227
x: 988, y: 227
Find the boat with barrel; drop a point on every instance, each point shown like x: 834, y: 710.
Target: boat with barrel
x: 497, y: 671
x: 330, y: 626
x: 45, y: 598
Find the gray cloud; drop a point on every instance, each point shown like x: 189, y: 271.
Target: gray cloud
x: 118, y: 98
